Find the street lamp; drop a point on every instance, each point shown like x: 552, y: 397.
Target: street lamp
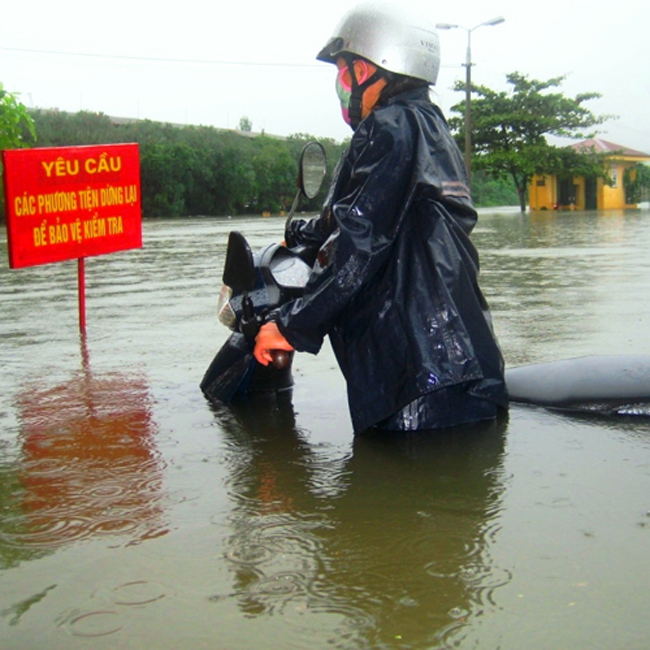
x: 468, y: 83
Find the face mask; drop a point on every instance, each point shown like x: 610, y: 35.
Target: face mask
x: 345, y: 94
x: 363, y: 71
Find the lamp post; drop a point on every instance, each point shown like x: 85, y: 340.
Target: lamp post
x: 468, y: 84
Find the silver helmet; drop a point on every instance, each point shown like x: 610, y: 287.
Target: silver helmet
x: 390, y: 38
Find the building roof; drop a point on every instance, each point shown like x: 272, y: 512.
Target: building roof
x: 603, y: 146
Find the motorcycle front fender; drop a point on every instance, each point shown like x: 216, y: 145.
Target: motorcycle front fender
x: 230, y: 369
x: 234, y: 371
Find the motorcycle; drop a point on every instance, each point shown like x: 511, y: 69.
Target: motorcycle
x: 257, y: 284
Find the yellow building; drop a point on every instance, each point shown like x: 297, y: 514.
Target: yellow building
x: 547, y: 192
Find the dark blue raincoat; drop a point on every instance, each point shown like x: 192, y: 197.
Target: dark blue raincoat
x: 395, y: 283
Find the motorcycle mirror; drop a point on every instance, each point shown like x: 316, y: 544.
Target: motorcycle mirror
x: 313, y: 165
x: 312, y: 169
x: 239, y: 269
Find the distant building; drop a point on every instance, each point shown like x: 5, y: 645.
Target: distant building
x: 548, y: 192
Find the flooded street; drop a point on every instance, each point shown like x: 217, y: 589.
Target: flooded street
x: 135, y: 515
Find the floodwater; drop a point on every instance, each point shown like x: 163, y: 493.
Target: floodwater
x: 135, y: 515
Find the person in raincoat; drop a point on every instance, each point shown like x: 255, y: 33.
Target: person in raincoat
x: 395, y: 282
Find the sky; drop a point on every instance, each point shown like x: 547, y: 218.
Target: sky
x: 212, y: 63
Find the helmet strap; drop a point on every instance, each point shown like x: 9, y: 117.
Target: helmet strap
x: 356, y: 96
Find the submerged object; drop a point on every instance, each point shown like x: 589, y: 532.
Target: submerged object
x: 607, y: 385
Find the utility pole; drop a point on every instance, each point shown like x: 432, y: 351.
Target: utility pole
x: 468, y: 85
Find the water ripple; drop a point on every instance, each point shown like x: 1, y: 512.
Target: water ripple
x: 92, y: 624
x: 285, y: 583
x: 43, y: 531
x: 250, y: 553
x: 139, y: 592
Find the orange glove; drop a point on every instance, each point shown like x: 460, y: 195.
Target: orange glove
x: 267, y: 339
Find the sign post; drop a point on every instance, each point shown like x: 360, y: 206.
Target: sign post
x: 67, y: 203
x: 81, y: 290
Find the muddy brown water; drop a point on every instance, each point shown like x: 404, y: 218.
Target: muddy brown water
x: 135, y: 515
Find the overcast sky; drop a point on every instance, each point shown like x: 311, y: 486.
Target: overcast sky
x: 199, y: 62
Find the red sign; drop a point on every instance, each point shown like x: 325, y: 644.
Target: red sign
x: 71, y: 202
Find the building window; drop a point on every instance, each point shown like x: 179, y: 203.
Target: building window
x: 613, y: 173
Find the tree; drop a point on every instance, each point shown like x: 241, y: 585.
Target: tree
x: 15, y: 124
x: 163, y: 173
x: 14, y: 120
x: 245, y: 125
x: 637, y: 183
x: 194, y: 170
x: 509, y: 131
x: 490, y: 191
x: 275, y: 175
x: 84, y: 127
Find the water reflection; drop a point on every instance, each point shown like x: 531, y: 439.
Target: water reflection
x: 394, y: 552
x: 88, y: 466
x: 566, y: 284
x: 353, y: 545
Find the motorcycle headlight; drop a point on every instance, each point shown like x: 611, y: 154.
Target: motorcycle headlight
x: 225, y: 312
